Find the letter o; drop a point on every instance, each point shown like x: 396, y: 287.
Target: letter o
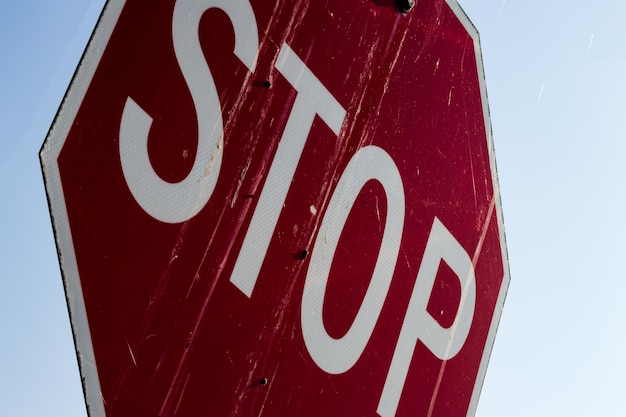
x: 336, y: 356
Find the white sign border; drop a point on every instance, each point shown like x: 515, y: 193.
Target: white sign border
x: 55, y: 141
x: 495, y: 319
x: 49, y: 155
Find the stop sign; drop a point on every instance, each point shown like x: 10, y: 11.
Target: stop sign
x: 279, y: 208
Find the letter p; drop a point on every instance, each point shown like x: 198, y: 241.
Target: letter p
x: 418, y: 324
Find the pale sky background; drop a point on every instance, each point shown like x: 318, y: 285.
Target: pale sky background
x: 556, y: 79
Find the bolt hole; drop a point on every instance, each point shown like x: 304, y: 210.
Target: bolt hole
x: 405, y: 6
x: 301, y: 256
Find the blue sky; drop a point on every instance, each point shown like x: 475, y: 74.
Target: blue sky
x: 556, y: 80
x: 41, y: 44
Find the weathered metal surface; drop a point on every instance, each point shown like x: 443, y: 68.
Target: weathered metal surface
x: 203, y: 309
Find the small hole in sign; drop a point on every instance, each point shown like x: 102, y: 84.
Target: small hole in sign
x: 405, y: 6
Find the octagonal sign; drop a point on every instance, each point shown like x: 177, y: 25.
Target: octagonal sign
x: 282, y: 207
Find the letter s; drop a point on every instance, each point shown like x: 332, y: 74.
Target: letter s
x: 178, y: 202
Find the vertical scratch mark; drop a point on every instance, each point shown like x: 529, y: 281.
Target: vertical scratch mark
x: 148, y: 317
x: 469, y: 145
x: 132, y: 355
x: 274, y: 331
x: 157, y: 368
x: 378, y: 213
x: 479, y: 248
x: 204, y: 256
x: 241, y: 388
x: 394, y: 28
x: 463, y: 59
x: 431, y: 406
x: 239, y: 182
x: 397, y: 52
x: 483, y: 235
x: 266, y: 396
x: 181, y: 394
x: 183, y: 360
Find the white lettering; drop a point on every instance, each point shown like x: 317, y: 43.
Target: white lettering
x: 336, y: 356
x: 179, y: 202
x: 313, y: 98
x: 169, y: 202
x: 418, y: 324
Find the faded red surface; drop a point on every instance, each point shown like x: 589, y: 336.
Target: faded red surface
x: 171, y: 334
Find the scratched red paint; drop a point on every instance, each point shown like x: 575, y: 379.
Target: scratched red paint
x: 172, y: 336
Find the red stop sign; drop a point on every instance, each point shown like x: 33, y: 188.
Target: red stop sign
x: 279, y: 208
